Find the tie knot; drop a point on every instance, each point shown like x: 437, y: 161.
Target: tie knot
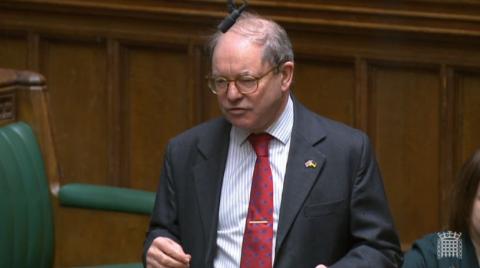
x: 260, y: 143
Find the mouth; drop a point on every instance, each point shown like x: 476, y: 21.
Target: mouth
x: 236, y: 111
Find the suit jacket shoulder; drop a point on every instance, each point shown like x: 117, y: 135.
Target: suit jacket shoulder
x: 329, y: 136
x: 314, y: 125
x: 206, y: 137
x: 205, y: 131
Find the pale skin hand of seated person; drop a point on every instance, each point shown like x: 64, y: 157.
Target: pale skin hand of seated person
x: 321, y: 266
x: 166, y: 253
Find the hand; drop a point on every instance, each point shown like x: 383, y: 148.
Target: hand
x: 166, y: 253
x: 321, y: 266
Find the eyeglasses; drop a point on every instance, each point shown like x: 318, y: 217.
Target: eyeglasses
x: 245, y: 84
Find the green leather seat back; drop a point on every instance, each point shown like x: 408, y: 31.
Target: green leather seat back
x: 26, y: 223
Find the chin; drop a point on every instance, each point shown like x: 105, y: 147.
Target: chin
x: 250, y: 128
x: 241, y: 123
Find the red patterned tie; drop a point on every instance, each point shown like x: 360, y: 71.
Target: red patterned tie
x: 258, y: 236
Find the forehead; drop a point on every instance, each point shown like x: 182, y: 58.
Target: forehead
x: 235, y: 48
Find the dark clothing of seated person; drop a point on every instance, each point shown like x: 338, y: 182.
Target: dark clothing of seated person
x: 460, y: 247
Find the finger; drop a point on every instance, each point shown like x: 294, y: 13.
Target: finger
x: 153, y: 256
x: 152, y: 263
x: 168, y: 252
x: 320, y: 266
x: 156, y: 258
x: 169, y: 262
x: 175, y: 251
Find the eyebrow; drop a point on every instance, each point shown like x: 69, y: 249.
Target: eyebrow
x: 243, y: 73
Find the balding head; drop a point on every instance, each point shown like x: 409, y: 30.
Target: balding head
x: 261, y: 31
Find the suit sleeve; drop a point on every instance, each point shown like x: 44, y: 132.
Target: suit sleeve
x: 375, y: 242
x: 163, y: 221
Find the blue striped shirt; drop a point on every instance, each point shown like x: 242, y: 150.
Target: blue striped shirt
x: 237, y: 181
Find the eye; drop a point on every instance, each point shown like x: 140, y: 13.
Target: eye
x: 220, y: 82
x: 247, y: 82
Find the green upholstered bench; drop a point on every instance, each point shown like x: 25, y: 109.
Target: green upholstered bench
x: 26, y: 216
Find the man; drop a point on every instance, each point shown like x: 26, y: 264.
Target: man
x: 316, y: 197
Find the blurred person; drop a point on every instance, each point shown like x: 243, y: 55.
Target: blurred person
x: 460, y: 246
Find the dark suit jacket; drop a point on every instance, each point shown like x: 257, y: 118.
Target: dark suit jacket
x: 335, y: 214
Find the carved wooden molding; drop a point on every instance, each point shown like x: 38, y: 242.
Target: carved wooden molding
x: 418, y: 17
x: 7, y: 106
x: 10, y: 82
x: 31, y: 80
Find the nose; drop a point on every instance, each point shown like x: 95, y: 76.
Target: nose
x: 233, y: 93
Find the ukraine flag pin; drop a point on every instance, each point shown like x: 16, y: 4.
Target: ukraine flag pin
x: 310, y: 164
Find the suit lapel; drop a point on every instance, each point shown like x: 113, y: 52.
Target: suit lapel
x: 208, y: 176
x: 299, y: 178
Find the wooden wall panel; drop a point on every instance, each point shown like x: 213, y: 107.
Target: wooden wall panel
x: 159, y: 104
x: 126, y: 76
x: 13, y: 51
x: 327, y: 87
x: 76, y: 75
x: 468, y: 114
x: 88, y: 237
x: 209, y: 104
x: 404, y: 122
x: 81, y: 113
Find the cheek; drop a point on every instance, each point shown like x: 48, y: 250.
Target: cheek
x: 260, y: 104
x: 476, y: 215
x: 221, y: 100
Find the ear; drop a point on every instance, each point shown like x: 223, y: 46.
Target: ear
x: 286, y: 70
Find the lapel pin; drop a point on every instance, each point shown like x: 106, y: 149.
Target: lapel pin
x: 310, y: 164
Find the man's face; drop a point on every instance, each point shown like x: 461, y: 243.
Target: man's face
x: 236, y: 56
